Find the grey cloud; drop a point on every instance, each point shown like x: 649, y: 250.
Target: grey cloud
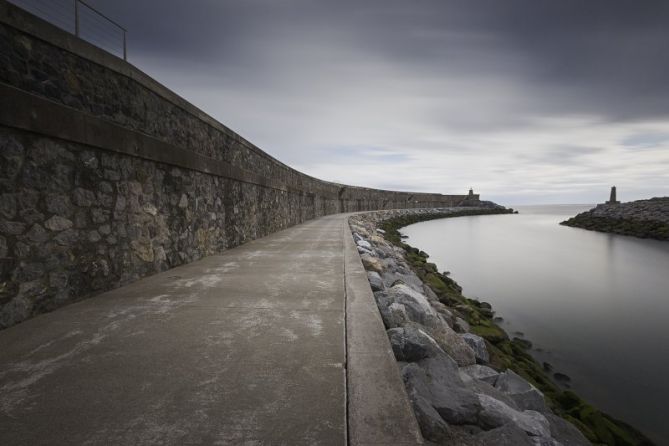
x: 436, y: 94
x: 600, y: 57
x: 562, y: 154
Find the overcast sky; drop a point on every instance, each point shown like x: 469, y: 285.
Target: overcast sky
x: 526, y: 101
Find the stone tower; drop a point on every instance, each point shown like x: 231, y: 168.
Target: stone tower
x: 612, y: 199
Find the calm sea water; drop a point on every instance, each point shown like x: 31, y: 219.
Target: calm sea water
x: 595, y: 305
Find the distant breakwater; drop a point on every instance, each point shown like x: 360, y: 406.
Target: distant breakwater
x: 642, y: 218
x: 469, y: 383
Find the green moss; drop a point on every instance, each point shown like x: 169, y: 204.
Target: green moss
x: 522, y: 343
x: 491, y: 334
x: 598, y: 427
x: 589, y: 434
x: 637, y: 228
x: 431, y: 267
x: 435, y: 282
x: 415, y: 258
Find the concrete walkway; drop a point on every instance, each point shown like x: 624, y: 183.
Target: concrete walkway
x: 248, y: 347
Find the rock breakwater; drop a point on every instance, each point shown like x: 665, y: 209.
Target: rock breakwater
x: 468, y: 382
x: 642, y: 218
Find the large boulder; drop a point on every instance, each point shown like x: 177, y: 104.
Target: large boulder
x: 375, y: 281
x: 432, y: 426
x: 380, y: 253
x: 394, y: 315
x: 371, y: 263
x: 363, y: 243
x: 442, y: 309
x: 495, y: 413
x: 401, y: 304
x: 477, y: 343
x: 479, y: 372
x: 399, y: 252
x: 411, y: 344
x: 565, y: 432
x: 482, y: 387
x: 431, y: 296
x: 526, y: 396
x: 389, y: 264
x: 418, y: 307
x: 362, y: 251
x: 460, y: 325
x: 384, y: 251
x: 378, y: 241
x: 421, y: 312
x: 437, y: 380
x: 452, y: 343
x: 390, y: 278
x: 506, y: 435
x: 357, y: 231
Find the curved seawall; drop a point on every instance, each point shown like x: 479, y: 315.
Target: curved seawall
x: 107, y: 176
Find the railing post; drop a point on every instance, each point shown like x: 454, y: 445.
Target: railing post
x: 76, y: 18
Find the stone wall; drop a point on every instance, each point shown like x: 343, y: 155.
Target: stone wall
x: 106, y: 176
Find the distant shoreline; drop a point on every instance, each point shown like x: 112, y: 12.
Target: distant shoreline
x: 642, y: 218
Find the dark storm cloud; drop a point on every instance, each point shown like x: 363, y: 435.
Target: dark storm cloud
x: 607, y: 57
x: 614, y: 54
x: 610, y: 53
x: 438, y: 94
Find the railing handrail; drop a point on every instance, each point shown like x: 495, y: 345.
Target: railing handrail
x: 89, y: 27
x: 101, y: 14
x: 76, y: 25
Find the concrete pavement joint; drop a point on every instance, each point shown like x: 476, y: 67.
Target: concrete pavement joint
x: 343, y: 259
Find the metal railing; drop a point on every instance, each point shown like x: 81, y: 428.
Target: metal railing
x: 82, y: 20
